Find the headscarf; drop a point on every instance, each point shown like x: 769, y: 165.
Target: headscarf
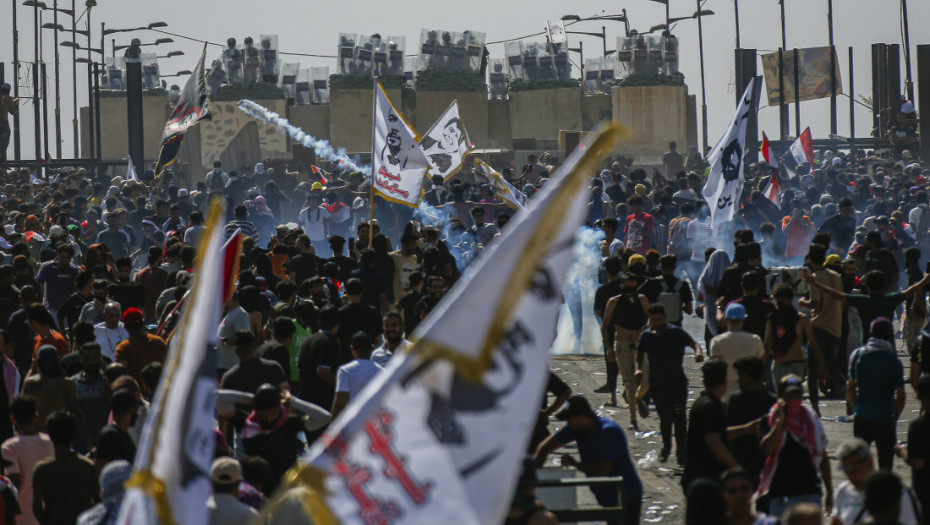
x: 259, y: 169
x: 261, y: 206
x: 711, y: 276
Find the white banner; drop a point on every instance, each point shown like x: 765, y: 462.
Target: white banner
x: 131, y: 171
x: 502, y: 189
x: 398, y: 162
x: 440, y: 436
x: 446, y: 143
x: 171, y: 476
x: 725, y: 181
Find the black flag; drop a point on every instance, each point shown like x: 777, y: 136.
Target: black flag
x: 193, y: 106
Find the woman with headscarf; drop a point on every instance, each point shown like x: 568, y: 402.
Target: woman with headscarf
x: 53, y: 391
x: 710, y: 278
x: 263, y: 218
x: 113, y: 480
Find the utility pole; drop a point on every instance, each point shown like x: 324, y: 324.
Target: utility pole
x: 736, y: 14
x: 909, y: 85
x: 57, y: 90
x: 16, y: 143
x: 832, y: 68
x: 74, y: 104
x: 703, y: 86
x: 783, y: 109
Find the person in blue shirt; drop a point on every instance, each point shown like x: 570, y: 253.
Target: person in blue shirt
x: 604, y: 452
x: 875, y: 390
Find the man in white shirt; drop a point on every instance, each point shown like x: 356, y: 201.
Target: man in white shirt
x: 392, y: 327
x: 354, y: 375
x: 312, y: 218
x: 849, y: 502
x: 735, y: 344
x: 224, y: 506
x: 111, y: 331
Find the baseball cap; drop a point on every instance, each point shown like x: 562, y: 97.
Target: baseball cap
x: 790, y: 384
x: 316, y: 187
x: 56, y: 231
x: 736, y: 312
x: 132, y: 316
x: 833, y: 259
x: 226, y: 470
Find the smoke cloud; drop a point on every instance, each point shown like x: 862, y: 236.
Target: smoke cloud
x: 579, y: 329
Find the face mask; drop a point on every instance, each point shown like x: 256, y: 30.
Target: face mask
x: 430, y: 243
x: 793, y: 407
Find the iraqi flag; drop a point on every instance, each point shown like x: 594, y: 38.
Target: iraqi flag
x: 319, y: 173
x: 772, y: 190
x: 800, y: 152
x: 767, y: 151
x: 338, y: 211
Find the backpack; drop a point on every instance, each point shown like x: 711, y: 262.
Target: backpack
x: 216, y: 182
x: 671, y: 300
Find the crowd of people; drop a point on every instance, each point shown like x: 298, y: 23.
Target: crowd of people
x: 96, y: 269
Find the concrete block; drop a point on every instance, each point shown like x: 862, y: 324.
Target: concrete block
x: 656, y: 115
x: 499, y: 135
x: 350, y: 117
x: 114, y: 130
x: 543, y: 113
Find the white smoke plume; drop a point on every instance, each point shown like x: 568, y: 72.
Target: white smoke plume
x: 579, y: 329
x: 322, y: 148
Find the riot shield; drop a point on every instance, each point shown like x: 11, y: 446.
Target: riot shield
x: 625, y: 55
x: 592, y: 70
x: 531, y: 62
x: 269, y: 53
x: 346, y: 54
x: 364, y: 53
x: 546, y: 64
x: 174, y: 94
x: 395, y: 55
x: 114, y: 71
x: 150, y: 77
x: 608, y: 72
x: 252, y: 59
x: 320, y: 79
x: 475, y: 51
x: 640, y: 55
x: 655, y: 54
x: 216, y: 76
x: 514, y: 52
x: 458, y: 60
x: 497, y: 79
x: 670, y: 55
x: 410, y: 71
x: 429, y: 40
x: 379, y: 66
x: 562, y: 65
x: 232, y: 63
x: 443, y: 54
x: 289, y: 80
x: 304, y: 95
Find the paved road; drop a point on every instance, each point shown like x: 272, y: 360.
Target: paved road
x: 664, y: 501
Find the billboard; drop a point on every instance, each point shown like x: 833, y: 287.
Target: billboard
x: 813, y: 70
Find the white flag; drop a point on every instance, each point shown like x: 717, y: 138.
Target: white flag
x: 502, y: 189
x: 131, y: 171
x: 440, y: 436
x: 725, y: 181
x: 446, y: 144
x: 171, y: 476
x: 398, y: 162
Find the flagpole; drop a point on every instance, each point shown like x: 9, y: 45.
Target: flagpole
x: 371, y: 187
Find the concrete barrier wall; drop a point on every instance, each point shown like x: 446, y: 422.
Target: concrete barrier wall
x: 114, y: 131
x: 473, y: 109
x: 656, y: 115
x: 312, y: 119
x: 499, y: 135
x: 350, y: 117
x: 542, y: 113
x: 595, y: 109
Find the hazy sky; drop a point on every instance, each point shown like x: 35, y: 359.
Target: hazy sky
x: 313, y: 27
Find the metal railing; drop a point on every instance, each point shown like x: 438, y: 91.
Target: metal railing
x: 612, y: 514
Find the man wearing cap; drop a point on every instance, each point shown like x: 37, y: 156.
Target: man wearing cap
x: 827, y: 320
x: 797, y: 468
x: 223, y: 505
x: 354, y: 375
x: 603, y: 451
x: 735, y: 344
x: 57, y: 278
x: 639, y: 226
x: 140, y: 348
x: 184, y: 202
x: 312, y: 218
x: 875, y: 390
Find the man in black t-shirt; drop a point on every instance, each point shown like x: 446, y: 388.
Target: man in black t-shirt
x: 305, y: 264
x: 319, y: 359
x: 750, y: 257
x: 668, y: 283
x: 665, y: 344
x: 114, y: 441
x: 708, y: 444
x: 356, y: 316
x: 251, y: 372
x: 751, y: 402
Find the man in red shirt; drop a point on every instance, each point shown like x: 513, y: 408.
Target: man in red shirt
x: 40, y: 321
x: 639, y: 227
x: 153, y: 279
x: 799, y: 230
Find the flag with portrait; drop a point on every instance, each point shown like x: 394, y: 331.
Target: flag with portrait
x: 502, y: 189
x: 398, y: 162
x: 446, y: 144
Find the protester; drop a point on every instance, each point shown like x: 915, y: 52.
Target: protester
x: 857, y: 463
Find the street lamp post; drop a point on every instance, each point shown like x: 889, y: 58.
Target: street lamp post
x: 833, y: 127
x: 703, y: 86
x: 736, y: 15
x: 74, y: 107
x: 91, y: 124
x: 783, y: 108
x: 908, y: 84
x: 16, y: 143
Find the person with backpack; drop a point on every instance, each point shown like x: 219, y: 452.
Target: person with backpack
x: 624, y: 320
x: 217, y: 179
x: 678, y: 243
x: 669, y: 291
